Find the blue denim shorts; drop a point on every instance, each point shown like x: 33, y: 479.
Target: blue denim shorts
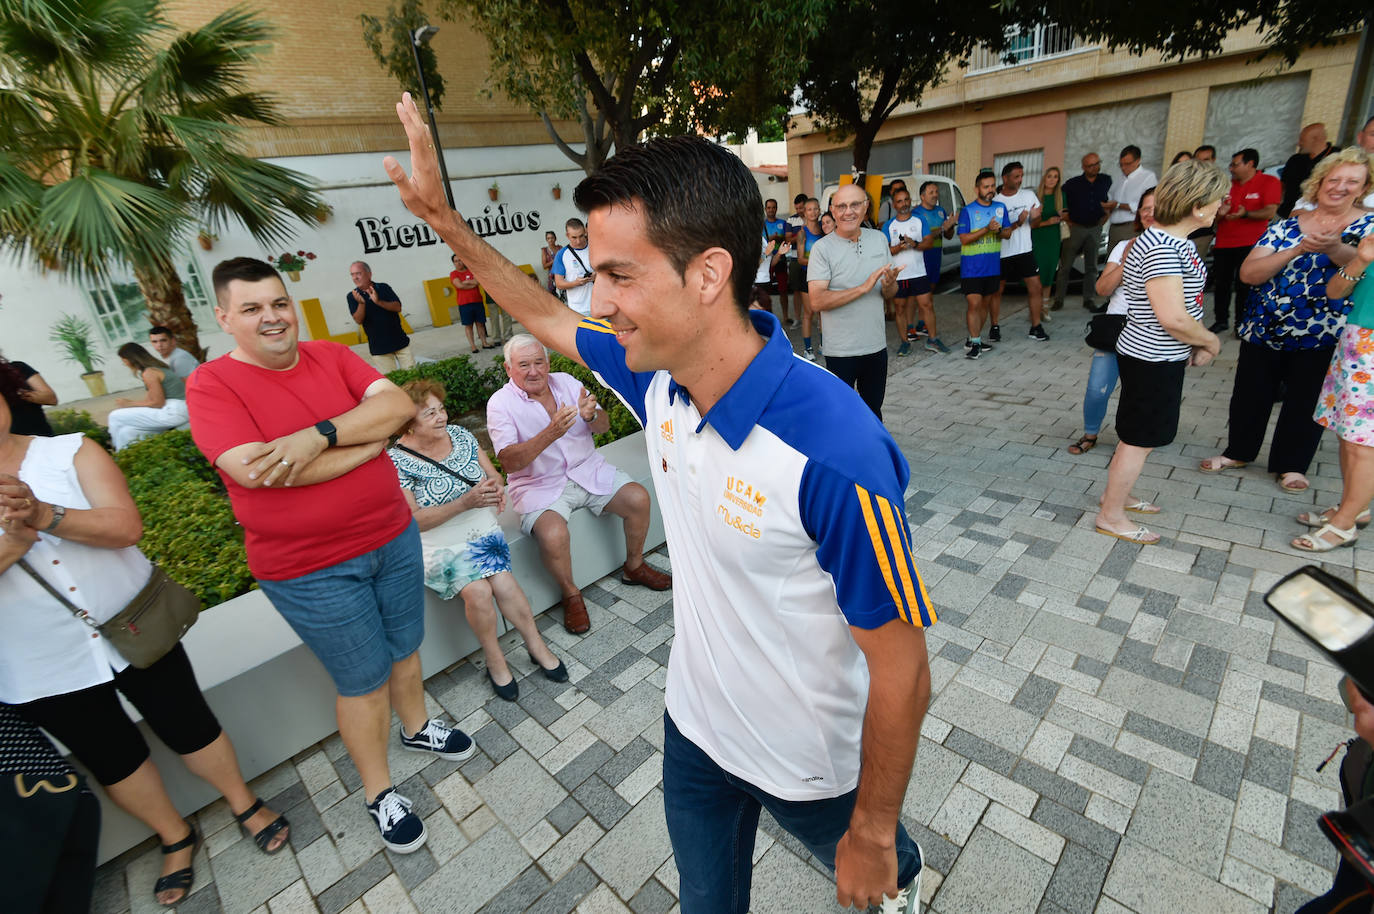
x: 361, y: 615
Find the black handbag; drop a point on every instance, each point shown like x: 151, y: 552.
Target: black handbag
x: 1103, y: 329
x: 149, y: 626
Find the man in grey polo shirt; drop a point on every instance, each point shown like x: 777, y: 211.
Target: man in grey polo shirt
x: 849, y: 275
x: 179, y: 360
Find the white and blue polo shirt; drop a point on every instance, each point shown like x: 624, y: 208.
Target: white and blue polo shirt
x: 783, y: 507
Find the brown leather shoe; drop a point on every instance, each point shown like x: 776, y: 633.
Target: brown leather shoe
x: 647, y: 576
x: 575, y: 618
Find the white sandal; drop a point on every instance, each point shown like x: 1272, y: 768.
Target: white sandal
x: 1315, y: 541
x: 1317, y: 519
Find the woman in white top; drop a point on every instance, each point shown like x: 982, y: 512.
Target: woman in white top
x: 161, y: 409
x: 1162, y: 280
x: 66, y: 514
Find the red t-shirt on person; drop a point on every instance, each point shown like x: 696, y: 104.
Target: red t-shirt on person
x: 1257, y: 193
x: 291, y: 532
x: 465, y: 296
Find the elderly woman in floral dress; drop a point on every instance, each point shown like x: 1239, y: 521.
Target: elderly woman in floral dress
x: 455, y: 493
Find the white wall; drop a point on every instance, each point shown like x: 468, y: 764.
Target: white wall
x: 357, y: 188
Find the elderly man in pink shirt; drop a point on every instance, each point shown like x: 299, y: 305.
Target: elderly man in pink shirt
x: 541, y: 425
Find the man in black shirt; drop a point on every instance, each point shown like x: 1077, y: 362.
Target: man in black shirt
x: 1085, y: 197
x: 1312, y: 148
x: 377, y: 310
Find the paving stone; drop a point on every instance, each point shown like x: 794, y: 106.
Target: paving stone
x: 474, y: 877
x: 1035, y: 838
x: 568, y: 850
x: 520, y: 894
x: 984, y: 716
x: 1077, y: 880
x: 495, y: 741
x: 1270, y: 765
x: 582, y: 767
x: 628, y: 716
x: 784, y: 882
x: 981, y: 751
x: 320, y: 864
x: 990, y: 859
x: 1288, y: 898
x: 959, y: 814
x: 1172, y: 737
x: 1080, y: 830
x: 245, y: 877
x: 1183, y: 821
x: 605, y: 805
x: 1036, y: 695
x: 351, y: 887
x: 565, y: 815
x: 1106, y: 757
x: 1049, y: 784
x: 1219, y: 770
x: 653, y: 898
x: 520, y: 792
x: 939, y: 770
x: 1134, y: 880
x: 1332, y: 711
x: 1303, y: 837
x: 1157, y: 701
x: 1208, y: 662
x: 627, y: 856
x: 412, y: 868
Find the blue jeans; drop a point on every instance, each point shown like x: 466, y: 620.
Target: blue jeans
x: 361, y: 615
x: 713, y: 815
x: 1102, y: 378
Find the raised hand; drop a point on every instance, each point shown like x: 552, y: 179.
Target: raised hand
x: 422, y: 191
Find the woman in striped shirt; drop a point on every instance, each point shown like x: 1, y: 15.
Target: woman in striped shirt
x: 1163, y: 280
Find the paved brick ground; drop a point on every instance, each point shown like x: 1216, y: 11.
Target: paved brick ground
x: 1113, y: 729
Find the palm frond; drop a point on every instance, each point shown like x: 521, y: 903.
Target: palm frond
x: 211, y: 61
x: 260, y: 195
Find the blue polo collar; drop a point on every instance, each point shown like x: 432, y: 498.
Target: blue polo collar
x: 738, y: 411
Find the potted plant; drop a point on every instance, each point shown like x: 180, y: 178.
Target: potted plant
x: 494, y: 191
x: 558, y: 191
x: 74, y: 338
x: 292, y: 264
x: 207, y: 239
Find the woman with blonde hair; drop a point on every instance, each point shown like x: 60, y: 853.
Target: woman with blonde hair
x: 1047, y: 237
x: 161, y: 409
x: 1162, y: 279
x: 1290, y: 327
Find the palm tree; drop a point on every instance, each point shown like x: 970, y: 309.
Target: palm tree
x: 118, y: 137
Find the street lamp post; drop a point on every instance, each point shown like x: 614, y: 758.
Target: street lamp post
x: 420, y: 36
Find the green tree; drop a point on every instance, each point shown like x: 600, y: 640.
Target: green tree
x: 118, y: 137
x: 624, y: 69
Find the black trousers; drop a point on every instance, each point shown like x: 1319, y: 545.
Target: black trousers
x: 1225, y: 278
x: 1261, y: 373
x: 867, y: 373
x: 93, y: 725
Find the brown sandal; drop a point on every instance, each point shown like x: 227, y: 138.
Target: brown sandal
x: 1083, y: 445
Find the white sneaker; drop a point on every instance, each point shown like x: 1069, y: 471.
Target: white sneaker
x: 908, y: 900
x: 809, y: 355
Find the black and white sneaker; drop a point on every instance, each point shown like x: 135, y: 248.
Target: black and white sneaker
x: 908, y: 900
x: 995, y: 333
x: 1038, y: 333
x: 402, y: 830
x: 974, y: 351
x: 968, y: 344
x: 446, y: 742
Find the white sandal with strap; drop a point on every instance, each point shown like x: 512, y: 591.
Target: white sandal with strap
x: 1317, y: 519
x: 1316, y: 541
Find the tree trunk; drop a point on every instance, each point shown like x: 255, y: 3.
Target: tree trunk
x: 864, y: 135
x: 166, y: 300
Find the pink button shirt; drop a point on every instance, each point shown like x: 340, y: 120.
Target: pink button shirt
x: 513, y: 417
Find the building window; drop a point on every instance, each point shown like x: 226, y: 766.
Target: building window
x: 943, y: 169
x: 890, y: 158
x: 1032, y: 160
x: 120, y: 310
x: 1027, y: 46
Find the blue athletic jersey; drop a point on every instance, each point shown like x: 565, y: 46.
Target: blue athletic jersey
x: 984, y: 256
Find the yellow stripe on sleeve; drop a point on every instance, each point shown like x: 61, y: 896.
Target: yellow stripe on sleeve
x: 899, y: 552
x: 926, y: 609
x: 879, y: 548
x: 598, y: 326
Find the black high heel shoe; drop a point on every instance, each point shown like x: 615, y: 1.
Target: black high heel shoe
x: 557, y: 674
x: 182, y: 878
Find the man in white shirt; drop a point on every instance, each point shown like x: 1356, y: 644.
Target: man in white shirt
x: 1125, y: 197
x: 572, y: 270
x: 907, y: 241
x: 1018, y: 261
x: 179, y: 360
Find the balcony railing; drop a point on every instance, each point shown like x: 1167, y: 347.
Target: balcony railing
x: 1040, y: 43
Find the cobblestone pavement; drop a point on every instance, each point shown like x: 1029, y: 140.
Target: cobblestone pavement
x: 1113, y: 728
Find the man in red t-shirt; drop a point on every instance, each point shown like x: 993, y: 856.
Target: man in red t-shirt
x: 1253, y: 201
x: 298, y: 432
x: 471, y: 311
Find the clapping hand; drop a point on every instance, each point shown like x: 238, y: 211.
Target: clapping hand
x: 587, y: 405
x: 18, y: 506
x: 1316, y: 242
x: 563, y: 420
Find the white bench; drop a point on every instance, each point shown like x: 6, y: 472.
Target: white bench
x: 275, y: 700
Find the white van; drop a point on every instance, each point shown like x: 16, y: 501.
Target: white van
x: 951, y: 198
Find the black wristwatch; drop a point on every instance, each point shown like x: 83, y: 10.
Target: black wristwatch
x: 330, y: 433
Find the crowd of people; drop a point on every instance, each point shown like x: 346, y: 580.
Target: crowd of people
x: 356, y: 495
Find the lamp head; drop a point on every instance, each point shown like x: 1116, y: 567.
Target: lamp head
x: 423, y: 34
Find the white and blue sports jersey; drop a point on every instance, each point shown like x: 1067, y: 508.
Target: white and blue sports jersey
x: 911, y: 264
x: 783, y: 508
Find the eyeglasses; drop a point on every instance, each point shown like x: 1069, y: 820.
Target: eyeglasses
x: 855, y: 207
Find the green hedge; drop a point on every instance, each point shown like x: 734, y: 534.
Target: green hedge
x: 67, y: 421
x: 188, y: 524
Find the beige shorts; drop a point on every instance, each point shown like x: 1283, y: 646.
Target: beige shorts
x: 574, y: 497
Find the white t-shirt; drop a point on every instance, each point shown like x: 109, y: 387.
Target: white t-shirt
x: 1117, y: 305
x: 572, y: 265
x: 910, y: 262
x: 1129, y: 191
x: 762, y: 276
x: 1022, y: 201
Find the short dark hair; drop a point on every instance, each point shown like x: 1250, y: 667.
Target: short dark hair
x: 158, y: 328
x: 1010, y: 167
x: 694, y: 195
x: 1248, y: 155
x: 984, y: 174
x: 1205, y: 147
x: 893, y: 186
x: 248, y: 269
x: 925, y: 184
x: 574, y: 223
x: 772, y: 200
x: 799, y: 198
x: 1133, y: 151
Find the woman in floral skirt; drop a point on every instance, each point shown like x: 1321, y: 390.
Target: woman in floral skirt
x: 455, y: 494
x: 1346, y: 406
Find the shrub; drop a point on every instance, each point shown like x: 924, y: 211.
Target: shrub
x: 67, y: 421
x: 188, y: 524
x: 468, y: 384
x: 623, y: 421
